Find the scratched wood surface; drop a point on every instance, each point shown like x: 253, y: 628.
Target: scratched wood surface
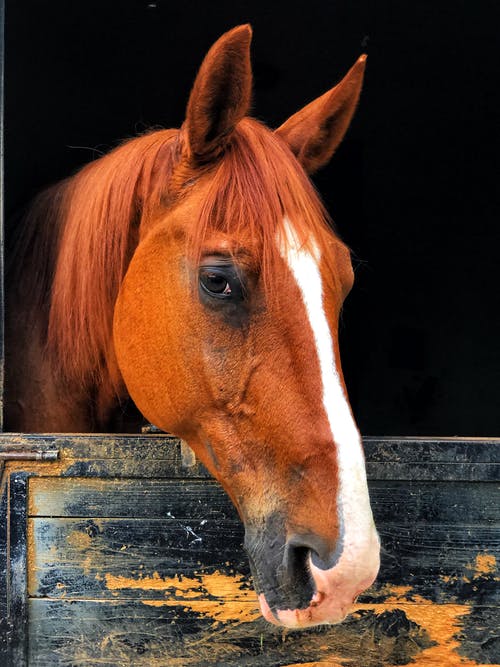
x: 132, y: 559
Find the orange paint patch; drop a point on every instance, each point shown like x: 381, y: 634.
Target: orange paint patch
x: 323, y: 663
x: 30, y: 548
x: 83, y: 542
x: 397, y: 593
x: 485, y: 564
x: 442, y: 622
x: 79, y: 540
x: 216, y: 595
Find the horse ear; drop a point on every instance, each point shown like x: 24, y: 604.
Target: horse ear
x: 314, y: 132
x: 220, y: 97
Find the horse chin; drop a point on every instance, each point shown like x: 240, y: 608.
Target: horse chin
x: 302, y: 618
x: 334, y: 597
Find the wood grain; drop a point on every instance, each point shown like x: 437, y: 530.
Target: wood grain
x: 134, y: 559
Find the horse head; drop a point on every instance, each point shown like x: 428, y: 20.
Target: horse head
x: 226, y: 334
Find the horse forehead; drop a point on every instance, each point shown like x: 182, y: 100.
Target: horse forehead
x: 320, y: 291
x: 303, y: 261
x: 291, y: 249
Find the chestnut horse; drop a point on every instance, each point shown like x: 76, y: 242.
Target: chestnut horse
x: 195, y: 271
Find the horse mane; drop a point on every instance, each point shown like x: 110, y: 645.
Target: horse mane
x: 81, y: 234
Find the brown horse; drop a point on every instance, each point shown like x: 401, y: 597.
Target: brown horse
x: 195, y: 271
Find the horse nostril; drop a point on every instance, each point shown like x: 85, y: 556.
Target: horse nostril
x: 322, y: 555
x: 281, y: 566
x: 297, y: 575
x: 280, y: 569
x: 295, y: 565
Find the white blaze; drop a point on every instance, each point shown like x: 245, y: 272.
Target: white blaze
x: 360, y: 552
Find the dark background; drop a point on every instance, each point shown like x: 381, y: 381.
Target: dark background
x: 411, y: 189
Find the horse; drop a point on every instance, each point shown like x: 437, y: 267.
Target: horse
x: 196, y: 271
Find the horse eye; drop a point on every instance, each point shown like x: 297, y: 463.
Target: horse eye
x: 215, y: 283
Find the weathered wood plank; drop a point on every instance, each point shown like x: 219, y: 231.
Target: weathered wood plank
x: 432, y: 450
x: 396, y: 502
x: 4, y: 569
x: 377, y: 449
x: 17, y: 593
x: 439, y: 459
x: 441, y: 563
x: 102, y: 558
x: 160, y: 456
x: 106, y: 456
x: 137, y: 557
x: 427, y: 471
x: 154, y: 633
x: 154, y: 498
x: 98, y: 446
x: 413, y: 502
x: 113, y: 539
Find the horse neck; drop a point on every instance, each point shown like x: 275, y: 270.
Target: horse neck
x: 36, y: 397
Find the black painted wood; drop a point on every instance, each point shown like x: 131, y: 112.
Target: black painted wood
x: 147, y: 567
x: 153, y: 498
x: 4, y: 564
x: 395, y: 501
x: 17, y: 592
x: 434, y: 557
x: 132, y: 548
x: 175, y: 637
x: 130, y: 632
x: 104, y: 455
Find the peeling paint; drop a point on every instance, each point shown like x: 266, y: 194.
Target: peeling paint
x: 484, y: 565
x: 442, y: 622
x: 216, y: 595
x: 213, y: 618
x: 82, y: 541
x: 48, y: 468
x: 323, y: 663
x: 79, y: 540
x: 44, y: 486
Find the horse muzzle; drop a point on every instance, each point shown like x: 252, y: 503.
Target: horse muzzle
x: 303, y: 580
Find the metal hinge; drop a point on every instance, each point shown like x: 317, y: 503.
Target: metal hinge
x: 38, y: 455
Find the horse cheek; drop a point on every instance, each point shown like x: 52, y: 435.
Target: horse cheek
x: 151, y: 325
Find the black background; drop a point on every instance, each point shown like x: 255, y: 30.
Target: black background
x: 411, y: 189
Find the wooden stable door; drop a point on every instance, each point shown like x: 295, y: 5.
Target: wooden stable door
x: 114, y: 552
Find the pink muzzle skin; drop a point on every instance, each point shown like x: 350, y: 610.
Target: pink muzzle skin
x: 336, y: 593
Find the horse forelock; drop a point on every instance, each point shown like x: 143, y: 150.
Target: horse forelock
x: 256, y: 184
